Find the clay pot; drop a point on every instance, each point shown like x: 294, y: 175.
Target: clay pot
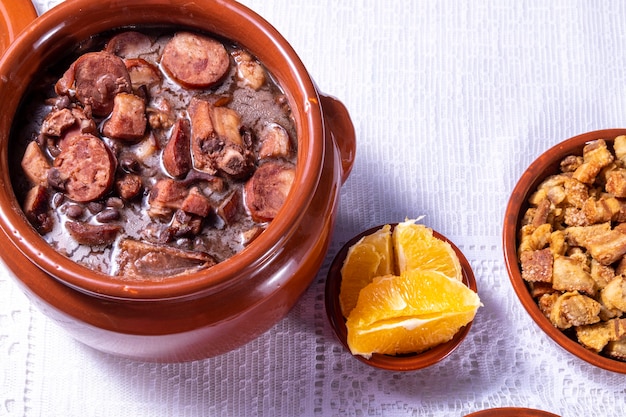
x: 545, y: 165
x: 206, y: 313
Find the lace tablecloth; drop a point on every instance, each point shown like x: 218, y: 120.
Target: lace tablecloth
x: 451, y: 100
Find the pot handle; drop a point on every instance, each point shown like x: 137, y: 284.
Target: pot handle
x: 341, y: 130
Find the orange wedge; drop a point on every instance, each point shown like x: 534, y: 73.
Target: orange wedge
x: 415, y: 247
x: 409, y: 313
x: 370, y: 257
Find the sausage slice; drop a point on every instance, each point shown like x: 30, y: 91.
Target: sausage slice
x: 86, y: 167
x: 176, y: 155
x: 267, y: 189
x: 97, y: 77
x: 195, y: 61
x: 129, y: 44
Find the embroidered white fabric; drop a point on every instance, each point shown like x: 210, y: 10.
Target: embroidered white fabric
x: 451, y: 101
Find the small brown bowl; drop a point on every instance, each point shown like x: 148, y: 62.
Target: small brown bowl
x: 405, y: 362
x: 547, y: 164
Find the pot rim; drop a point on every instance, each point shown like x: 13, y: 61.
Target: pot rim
x: 263, y: 41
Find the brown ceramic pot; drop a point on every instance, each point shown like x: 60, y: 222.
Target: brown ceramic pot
x: 206, y: 313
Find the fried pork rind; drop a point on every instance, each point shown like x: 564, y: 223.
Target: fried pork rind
x: 616, y: 349
x: 570, y: 274
x: 613, y: 295
x: 596, y: 336
x: 572, y: 247
x: 595, y: 157
x: 537, y: 265
x: 572, y: 309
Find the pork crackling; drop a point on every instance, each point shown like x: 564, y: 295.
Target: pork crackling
x: 572, y: 247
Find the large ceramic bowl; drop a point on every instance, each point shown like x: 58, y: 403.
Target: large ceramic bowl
x: 201, y: 314
x: 547, y: 164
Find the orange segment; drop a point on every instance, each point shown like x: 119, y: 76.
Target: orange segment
x: 409, y: 313
x: 370, y: 257
x: 416, y: 248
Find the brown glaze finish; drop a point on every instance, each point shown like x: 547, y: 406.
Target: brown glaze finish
x: 202, y: 314
x: 547, y: 164
x: 511, y: 412
x: 408, y: 362
x: 15, y: 15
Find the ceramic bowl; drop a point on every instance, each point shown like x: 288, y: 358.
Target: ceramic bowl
x: 511, y: 412
x: 405, y: 362
x: 201, y: 314
x: 545, y: 165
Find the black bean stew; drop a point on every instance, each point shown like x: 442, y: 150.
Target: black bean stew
x: 148, y: 155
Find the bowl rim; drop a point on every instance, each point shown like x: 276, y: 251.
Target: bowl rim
x: 14, y: 16
x: 407, y: 362
x: 303, y: 98
x: 529, y: 180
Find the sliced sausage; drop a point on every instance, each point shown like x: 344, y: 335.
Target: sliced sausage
x: 92, y: 234
x: 267, y: 189
x: 176, y: 155
x: 129, y: 43
x: 128, y: 118
x: 195, y: 61
x: 86, y: 167
x: 141, y: 259
x: 97, y: 78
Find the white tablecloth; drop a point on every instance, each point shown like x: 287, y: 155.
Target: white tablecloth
x: 451, y: 100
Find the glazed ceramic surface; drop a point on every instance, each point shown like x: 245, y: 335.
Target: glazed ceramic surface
x: 511, y: 412
x: 547, y: 164
x: 407, y: 362
x: 14, y: 16
x: 201, y: 314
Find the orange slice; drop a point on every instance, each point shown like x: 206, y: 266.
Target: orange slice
x: 409, y: 313
x: 370, y: 257
x: 415, y: 247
